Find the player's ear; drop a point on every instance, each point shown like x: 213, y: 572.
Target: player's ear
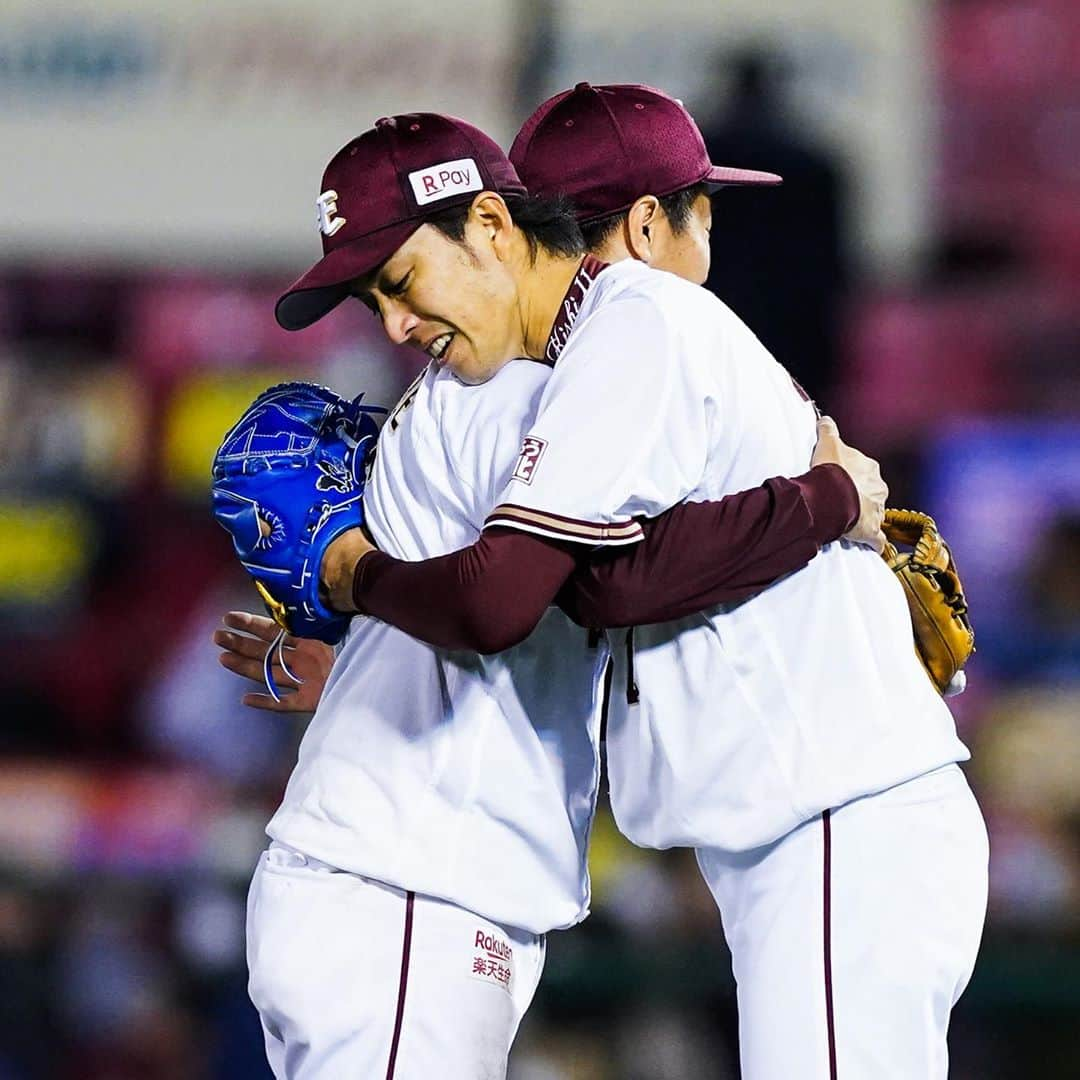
x: 641, y: 220
x: 490, y: 217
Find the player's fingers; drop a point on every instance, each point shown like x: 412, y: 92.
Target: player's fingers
x: 268, y: 704
x: 240, y: 644
x: 250, y: 623
x: 252, y: 668
x: 242, y: 666
x: 291, y: 674
x: 829, y: 448
x: 255, y: 648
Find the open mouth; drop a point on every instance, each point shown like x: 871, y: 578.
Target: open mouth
x: 437, y: 349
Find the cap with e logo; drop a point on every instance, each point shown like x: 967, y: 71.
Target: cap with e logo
x: 379, y: 189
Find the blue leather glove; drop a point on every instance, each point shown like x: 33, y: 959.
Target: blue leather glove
x: 287, y: 479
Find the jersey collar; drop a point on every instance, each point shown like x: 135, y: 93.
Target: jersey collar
x: 571, y: 304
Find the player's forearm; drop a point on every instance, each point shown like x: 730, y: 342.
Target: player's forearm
x: 484, y: 598
x: 698, y: 555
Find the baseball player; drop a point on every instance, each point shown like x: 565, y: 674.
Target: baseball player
x: 794, y: 738
x: 435, y: 825
x: 620, y: 218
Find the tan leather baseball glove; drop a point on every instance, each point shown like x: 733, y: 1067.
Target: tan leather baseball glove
x: 944, y: 638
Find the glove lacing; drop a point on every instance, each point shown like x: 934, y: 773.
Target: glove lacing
x: 277, y: 644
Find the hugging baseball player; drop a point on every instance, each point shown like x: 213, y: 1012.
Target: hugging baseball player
x: 720, y: 714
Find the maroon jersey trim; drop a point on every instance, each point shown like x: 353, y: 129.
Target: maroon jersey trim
x: 571, y: 304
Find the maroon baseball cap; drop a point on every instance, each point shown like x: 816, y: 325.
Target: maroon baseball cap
x: 605, y: 146
x: 379, y: 189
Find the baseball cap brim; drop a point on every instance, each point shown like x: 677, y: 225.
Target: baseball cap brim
x: 326, y: 284
x: 723, y: 176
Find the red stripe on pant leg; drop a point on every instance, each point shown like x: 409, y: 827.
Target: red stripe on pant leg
x: 403, y: 983
x: 827, y: 912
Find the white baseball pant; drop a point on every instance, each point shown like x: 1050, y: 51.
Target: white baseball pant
x: 853, y: 936
x: 352, y: 977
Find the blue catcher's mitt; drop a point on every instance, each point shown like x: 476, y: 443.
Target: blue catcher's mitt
x: 288, y: 478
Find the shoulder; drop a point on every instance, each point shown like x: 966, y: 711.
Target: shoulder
x: 510, y: 394
x: 631, y: 291
x: 437, y: 395
x: 684, y: 313
x: 637, y: 312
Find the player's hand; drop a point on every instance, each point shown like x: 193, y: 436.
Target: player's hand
x: 244, y: 646
x: 866, y: 475
x: 339, y: 566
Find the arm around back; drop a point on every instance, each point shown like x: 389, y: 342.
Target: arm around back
x: 698, y: 555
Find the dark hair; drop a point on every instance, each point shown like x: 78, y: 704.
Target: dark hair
x: 546, y: 223
x: 676, y: 207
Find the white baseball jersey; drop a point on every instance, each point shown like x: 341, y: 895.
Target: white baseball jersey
x: 729, y: 728
x: 465, y: 777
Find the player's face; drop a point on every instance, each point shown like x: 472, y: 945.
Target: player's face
x: 685, y: 253
x: 456, y: 302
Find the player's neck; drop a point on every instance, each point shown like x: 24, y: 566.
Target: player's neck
x: 543, y: 287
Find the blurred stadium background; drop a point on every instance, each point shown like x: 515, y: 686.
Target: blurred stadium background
x: 920, y: 272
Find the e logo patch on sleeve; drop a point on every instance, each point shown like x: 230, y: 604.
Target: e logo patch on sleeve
x: 532, y: 449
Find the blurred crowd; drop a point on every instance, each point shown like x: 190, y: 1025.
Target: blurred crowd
x: 134, y: 787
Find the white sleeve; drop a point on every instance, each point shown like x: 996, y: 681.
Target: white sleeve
x: 622, y: 431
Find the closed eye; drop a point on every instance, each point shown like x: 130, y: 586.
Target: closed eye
x: 399, y: 286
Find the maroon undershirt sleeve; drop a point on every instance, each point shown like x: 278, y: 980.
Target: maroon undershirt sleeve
x: 484, y: 598
x: 490, y: 596
x: 698, y: 555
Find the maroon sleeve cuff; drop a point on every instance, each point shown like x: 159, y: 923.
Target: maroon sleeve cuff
x: 368, y: 570
x: 832, y: 499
